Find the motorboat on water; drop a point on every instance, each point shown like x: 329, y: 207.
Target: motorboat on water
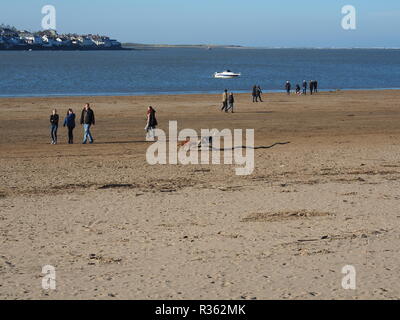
x: 227, y: 74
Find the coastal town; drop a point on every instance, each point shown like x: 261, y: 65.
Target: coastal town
x: 13, y: 39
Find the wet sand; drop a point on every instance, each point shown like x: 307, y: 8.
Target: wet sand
x: 115, y: 227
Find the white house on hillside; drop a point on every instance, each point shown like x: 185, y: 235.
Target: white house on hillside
x: 11, y: 38
x: 38, y: 40
x: 98, y: 42
x: 27, y: 39
x: 88, y: 42
x: 49, y: 42
x: 14, y: 41
x: 108, y: 43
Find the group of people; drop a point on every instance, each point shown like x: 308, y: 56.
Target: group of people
x: 312, y: 85
x: 87, y: 120
x: 228, y: 101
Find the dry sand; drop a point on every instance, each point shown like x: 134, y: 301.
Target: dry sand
x: 115, y: 227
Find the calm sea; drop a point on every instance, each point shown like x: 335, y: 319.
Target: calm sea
x: 190, y: 70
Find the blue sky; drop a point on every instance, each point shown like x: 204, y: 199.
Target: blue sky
x: 288, y: 23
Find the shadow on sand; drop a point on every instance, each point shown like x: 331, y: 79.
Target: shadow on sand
x: 263, y: 112
x: 255, y: 148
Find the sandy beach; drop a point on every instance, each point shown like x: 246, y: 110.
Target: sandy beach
x: 115, y: 227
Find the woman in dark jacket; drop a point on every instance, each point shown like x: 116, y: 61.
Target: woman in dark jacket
x: 54, y: 126
x: 231, y: 101
x: 151, y: 122
x: 69, y: 122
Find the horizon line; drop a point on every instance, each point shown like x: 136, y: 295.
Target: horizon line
x: 254, y: 47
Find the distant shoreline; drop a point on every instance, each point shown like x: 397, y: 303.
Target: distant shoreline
x: 138, y: 46
x: 12, y: 39
x: 205, y: 46
x: 197, y: 46
x: 194, y: 93
x: 33, y: 48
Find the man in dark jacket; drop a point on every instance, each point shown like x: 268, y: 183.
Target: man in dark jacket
x: 259, y: 92
x: 315, y: 86
x: 288, y: 87
x: 304, y: 87
x: 311, y: 86
x: 231, y: 101
x: 87, y: 119
x: 254, y: 94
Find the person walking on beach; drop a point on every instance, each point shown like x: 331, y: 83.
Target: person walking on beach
x: 231, y: 101
x: 87, y: 120
x: 54, y: 118
x: 288, y: 86
x: 69, y: 122
x: 254, y: 94
x: 225, y: 101
x: 311, y: 86
x: 259, y: 92
x: 304, y: 87
x: 151, y: 123
x: 315, y: 86
x: 297, y: 89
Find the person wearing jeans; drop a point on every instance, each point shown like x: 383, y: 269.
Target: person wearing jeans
x: 87, y: 120
x: 54, y: 126
x: 87, y: 133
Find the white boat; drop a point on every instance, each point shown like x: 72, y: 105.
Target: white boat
x: 228, y: 74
